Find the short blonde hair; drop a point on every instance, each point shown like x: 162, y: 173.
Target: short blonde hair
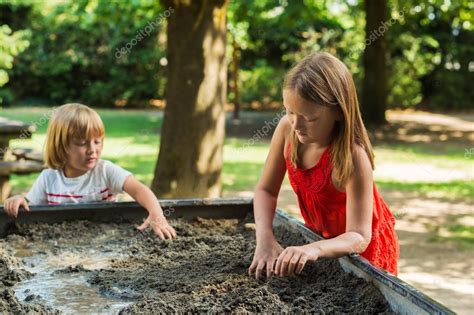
x: 69, y: 122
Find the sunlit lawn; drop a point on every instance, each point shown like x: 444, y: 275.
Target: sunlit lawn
x: 462, y: 234
x: 132, y: 141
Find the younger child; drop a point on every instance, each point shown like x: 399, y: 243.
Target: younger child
x: 323, y: 144
x: 76, y: 174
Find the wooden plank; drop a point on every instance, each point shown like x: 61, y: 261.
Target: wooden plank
x: 19, y: 167
x: 3, y: 147
x: 13, y: 129
x: 228, y: 208
x: 28, y: 154
x: 403, y: 298
x: 16, y: 127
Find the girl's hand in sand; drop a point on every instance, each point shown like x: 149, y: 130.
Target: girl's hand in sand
x: 160, y: 226
x: 293, y: 259
x: 265, y: 255
x: 12, y: 205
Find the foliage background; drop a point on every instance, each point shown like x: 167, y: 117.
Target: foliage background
x: 67, y: 50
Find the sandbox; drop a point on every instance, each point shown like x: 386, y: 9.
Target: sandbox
x: 90, y: 258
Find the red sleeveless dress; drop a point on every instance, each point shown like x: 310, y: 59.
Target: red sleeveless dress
x: 323, y: 208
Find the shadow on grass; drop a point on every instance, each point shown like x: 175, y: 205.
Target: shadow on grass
x: 451, y: 190
x: 461, y: 234
x: 432, y: 134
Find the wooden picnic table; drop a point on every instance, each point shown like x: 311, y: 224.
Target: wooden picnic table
x: 13, y: 129
x: 9, y: 162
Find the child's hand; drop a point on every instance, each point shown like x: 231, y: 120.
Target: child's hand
x: 12, y: 205
x: 160, y: 226
x: 293, y: 259
x: 265, y: 255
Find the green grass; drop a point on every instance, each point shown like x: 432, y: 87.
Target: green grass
x: 420, y: 151
x: 132, y: 141
x: 449, y: 157
x: 450, y: 190
x: 462, y: 235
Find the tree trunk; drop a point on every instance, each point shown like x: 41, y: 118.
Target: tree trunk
x: 235, y: 78
x: 190, y: 159
x: 374, y: 97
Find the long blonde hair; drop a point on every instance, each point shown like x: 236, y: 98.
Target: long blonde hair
x: 323, y: 79
x: 69, y: 122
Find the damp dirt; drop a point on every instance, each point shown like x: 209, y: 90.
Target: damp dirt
x: 88, y: 267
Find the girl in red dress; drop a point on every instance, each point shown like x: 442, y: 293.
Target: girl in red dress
x: 323, y: 144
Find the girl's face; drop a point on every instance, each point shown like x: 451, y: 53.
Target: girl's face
x: 83, y: 156
x: 312, y: 123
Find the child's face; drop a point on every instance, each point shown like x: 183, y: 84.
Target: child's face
x: 311, y: 122
x: 83, y: 156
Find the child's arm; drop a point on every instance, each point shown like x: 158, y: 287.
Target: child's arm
x: 359, y: 208
x: 36, y: 195
x: 13, y: 203
x: 147, y: 199
x: 265, y: 200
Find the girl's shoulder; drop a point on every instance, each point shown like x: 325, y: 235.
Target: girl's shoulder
x: 285, y: 127
x: 282, y: 132
x: 361, y: 166
x: 360, y: 157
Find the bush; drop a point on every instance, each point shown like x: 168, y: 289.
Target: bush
x: 75, y: 53
x: 11, y: 44
x: 261, y: 83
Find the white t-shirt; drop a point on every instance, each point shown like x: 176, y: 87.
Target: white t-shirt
x: 101, y: 183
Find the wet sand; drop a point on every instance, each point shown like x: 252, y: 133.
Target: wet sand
x: 204, y: 270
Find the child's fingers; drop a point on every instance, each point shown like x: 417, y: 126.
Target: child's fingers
x: 292, y: 264
x: 283, y: 261
x: 286, y: 263
x: 166, y: 233
x: 26, y: 206
x: 278, y: 263
x: 14, y: 208
x: 171, y: 230
x: 259, y: 269
x: 170, y: 234
x: 270, y: 264
x: 301, y: 264
x: 143, y: 226
x: 6, y: 207
x: 252, y: 266
x: 159, y: 233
